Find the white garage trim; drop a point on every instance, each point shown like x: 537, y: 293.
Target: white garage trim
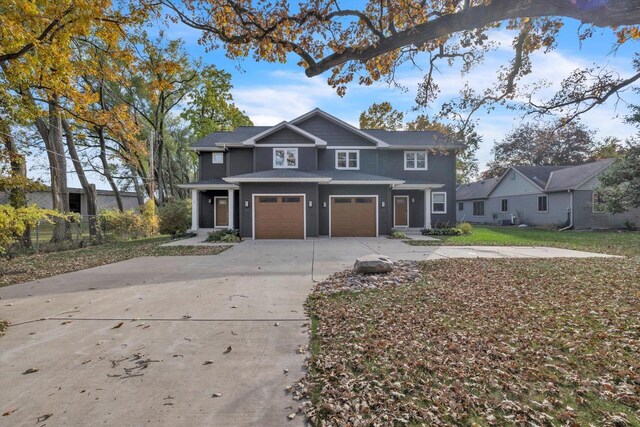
x: 375, y: 196
x: 253, y: 210
x: 394, y: 212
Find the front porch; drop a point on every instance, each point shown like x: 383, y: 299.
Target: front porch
x: 214, y: 205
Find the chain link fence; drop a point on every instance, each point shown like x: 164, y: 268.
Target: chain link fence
x: 78, y: 233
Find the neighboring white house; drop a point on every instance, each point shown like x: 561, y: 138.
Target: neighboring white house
x: 78, y: 200
x: 541, y: 195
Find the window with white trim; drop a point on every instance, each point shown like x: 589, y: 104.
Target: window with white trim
x: 347, y: 159
x: 597, y: 203
x: 439, y: 202
x: 543, y: 204
x: 415, y: 160
x: 285, y: 158
x: 217, y: 158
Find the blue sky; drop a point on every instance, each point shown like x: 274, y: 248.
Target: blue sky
x: 272, y: 92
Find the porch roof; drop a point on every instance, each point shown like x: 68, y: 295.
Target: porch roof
x: 209, y: 184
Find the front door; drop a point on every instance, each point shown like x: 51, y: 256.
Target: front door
x: 401, y: 211
x: 221, y: 217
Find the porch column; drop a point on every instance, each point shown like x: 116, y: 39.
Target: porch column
x: 427, y: 208
x: 230, y: 201
x: 195, y: 208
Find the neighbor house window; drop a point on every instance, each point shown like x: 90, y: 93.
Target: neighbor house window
x: 217, y: 158
x: 504, y: 205
x: 597, y: 203
x: 542, y: 204
x: 284, y: 158
x: 439, y: 202
x: 460, y: 206
x: 347, y: 159
x: 478, y: 208
x: 415, y: 160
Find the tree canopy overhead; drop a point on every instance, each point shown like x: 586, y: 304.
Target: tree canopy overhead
x: 367, y: 41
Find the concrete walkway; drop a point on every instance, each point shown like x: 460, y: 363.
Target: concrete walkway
x: 128, y: 343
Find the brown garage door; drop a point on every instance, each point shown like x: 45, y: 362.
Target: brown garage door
x: 353, y: 217
x: 279, y: 217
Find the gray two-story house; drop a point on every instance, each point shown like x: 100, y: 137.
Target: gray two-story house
x: 317, y: 175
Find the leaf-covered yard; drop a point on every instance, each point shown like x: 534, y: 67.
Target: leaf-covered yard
x: 482, y: 342
x: 37, y: 266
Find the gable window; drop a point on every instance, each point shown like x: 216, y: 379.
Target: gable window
x: 415, y: 160
x: 478, y: 208
x: 504, y: 205
x: 597, y: 203
x: 347, y: 159
x: 460, y: 206
x: 542, y: 204
x: 285, y: 158
x: 217, y: 158
x: 439, y: 202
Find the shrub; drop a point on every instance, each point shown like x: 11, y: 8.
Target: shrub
x: 224, y: 235
x: 150, y: 218
x: 465, y: 228
x: 15, y: 221
x: 630, y: 225
x: 442, y: 231
x: 175, y: 217
x: 123, y: 224
x: 398, y: 235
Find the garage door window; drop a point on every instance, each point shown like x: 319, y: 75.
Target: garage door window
x: 343, y: 200
x: 291, y: 200
x: 268, y: 200
x: 363, y: 200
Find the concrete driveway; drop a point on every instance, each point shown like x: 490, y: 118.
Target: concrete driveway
x: 128, y: 343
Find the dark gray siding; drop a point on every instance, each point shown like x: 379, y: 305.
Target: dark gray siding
x: 368, y: 160
x: 584, y: 217
x: 209, y: 170
x: 416, y: 206
x: 382, y: 191
x: 307, y: 158
x: 240, y: 161
x: 441, y: 167
x: 332, y: 133
x: 248, y: 189
x: 205, y: 216
x: 284, y: 136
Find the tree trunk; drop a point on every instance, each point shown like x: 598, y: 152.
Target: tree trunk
x: 51, y: 134
x: 107, y: 171
x: 136, y: 185
x: 89, y: 189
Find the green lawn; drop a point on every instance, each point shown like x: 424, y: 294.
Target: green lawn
x: 482, y: 342
x: 40, y: 265
x: 611, y: 242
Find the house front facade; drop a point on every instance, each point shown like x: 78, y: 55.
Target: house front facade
x: 561, y: 196
x: 316, y: 175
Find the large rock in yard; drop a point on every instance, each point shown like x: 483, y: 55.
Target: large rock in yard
x: 369, y: 264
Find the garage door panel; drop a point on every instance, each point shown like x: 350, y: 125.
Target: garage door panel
x: 353, y: 217
x: 279, y: 217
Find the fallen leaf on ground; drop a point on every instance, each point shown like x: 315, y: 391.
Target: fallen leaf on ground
x: 118, y: 325
x: 30, y: 371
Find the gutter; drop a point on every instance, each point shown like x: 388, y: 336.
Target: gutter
x: 570, y: 226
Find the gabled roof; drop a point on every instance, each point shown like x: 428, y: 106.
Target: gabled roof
x: 413, y: 139
x: 573, y: 177
x: 539, y: 175
x: 476, y: 190
x: 254, y: 138
x: 217, y: 139
x: 342, y: 123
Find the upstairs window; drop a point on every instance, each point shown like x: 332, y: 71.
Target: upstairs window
x: 478, y: 208
x: 347, y: 159
x: 439, y: 202
x: 542, y: 204
x: 285, y: 158
x: 415, y: 160
x: 217, y: 158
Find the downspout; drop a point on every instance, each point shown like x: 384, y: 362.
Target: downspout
x: 570, y: 226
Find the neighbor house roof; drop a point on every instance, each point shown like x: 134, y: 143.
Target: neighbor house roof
x: 476, y: 190
x: 573, y: 177
x: 247, y: 135
x: 539, y: 175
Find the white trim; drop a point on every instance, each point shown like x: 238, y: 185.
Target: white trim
x: 231, y: 202
x: 195, y: 209
x: 252, y: 141
x: 375, y: 196
x: 445, y: 202
x: 208, y: 186
x: 253, y: 210
x: 215, y: 211
x: 362, y: 182
x: 427, y: 208
x: 538, y: 203
x: 347, y: 152
x: 424, y: 147
x: 378, y: 142
x: 319, y: 179
x: 394, y: 212
x: 417, y: 186
x: 213, y: 156
x: 215, y: 149
x: 309, y: 145
x: 285, y: 166
x: 416, y: 152
x: 350, y: 147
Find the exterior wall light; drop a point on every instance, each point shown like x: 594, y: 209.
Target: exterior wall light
x: 246, y: 203
x: 310, y: 204
x: 382, y: 204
